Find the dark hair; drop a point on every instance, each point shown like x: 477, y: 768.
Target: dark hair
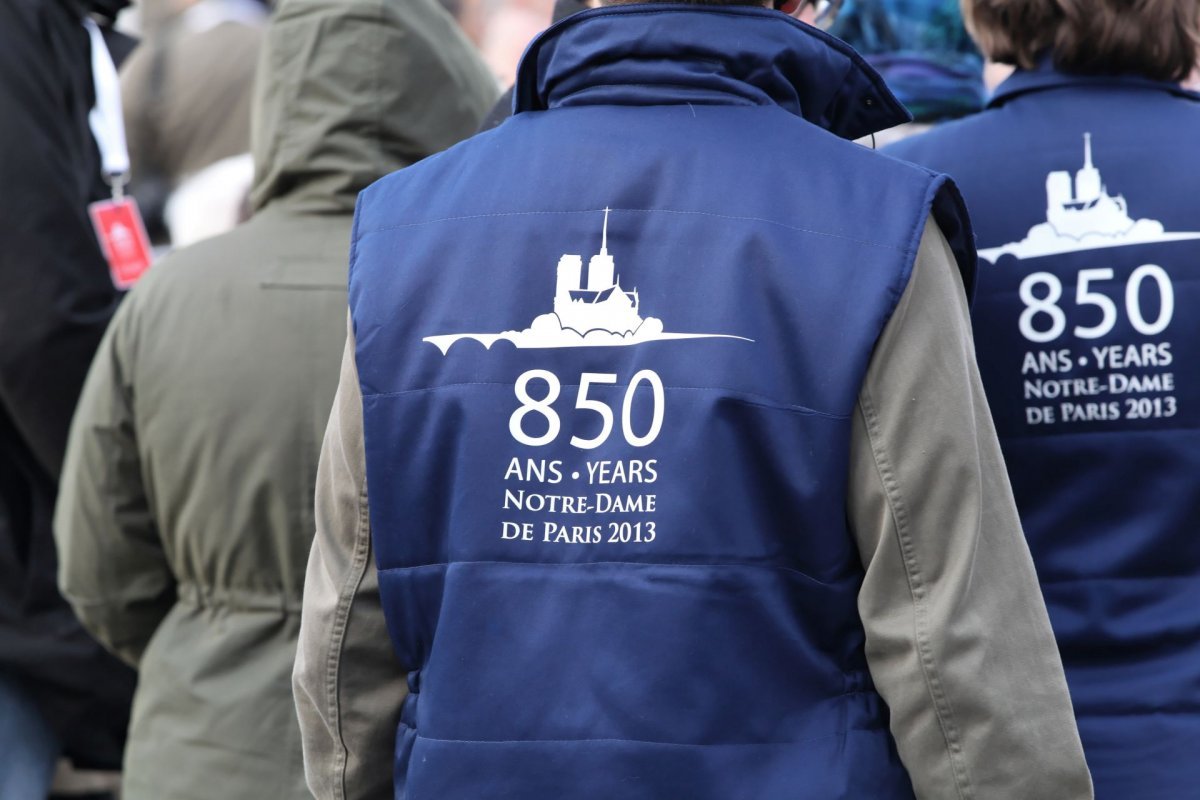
x: 1154, y: 38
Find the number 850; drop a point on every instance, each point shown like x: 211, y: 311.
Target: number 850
x: 543, y: 407
x: 1047, y: 306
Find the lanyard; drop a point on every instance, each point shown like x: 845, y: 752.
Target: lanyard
x: 105, y: 120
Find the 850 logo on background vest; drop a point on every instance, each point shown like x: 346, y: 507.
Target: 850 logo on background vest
x: 1102, y: 357
x: 591, y: 309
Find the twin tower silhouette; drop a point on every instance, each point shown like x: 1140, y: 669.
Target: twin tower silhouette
x: 601, y: 304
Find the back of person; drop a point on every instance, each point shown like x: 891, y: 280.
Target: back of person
x: 228, y: 351
x: 1082, y: 189
x: 186, y: 517
x: 608, y: 380
x: 61, y: 694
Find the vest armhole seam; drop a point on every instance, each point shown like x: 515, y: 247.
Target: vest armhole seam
x: 912, y: 249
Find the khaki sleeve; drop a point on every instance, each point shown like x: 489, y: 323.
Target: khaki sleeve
x: 958, y: 640
x: 112, y: 567
x: 348, y: 685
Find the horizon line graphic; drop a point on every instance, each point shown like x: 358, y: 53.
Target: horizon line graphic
x: 1081, y: 215
x: 591, y: 309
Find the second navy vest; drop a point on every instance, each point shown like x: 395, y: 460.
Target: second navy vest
x: 1087, y: 322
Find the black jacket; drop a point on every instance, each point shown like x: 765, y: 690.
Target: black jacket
x: 56, y: 298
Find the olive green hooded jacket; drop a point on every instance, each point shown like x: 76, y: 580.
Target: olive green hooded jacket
x: 185, y: 517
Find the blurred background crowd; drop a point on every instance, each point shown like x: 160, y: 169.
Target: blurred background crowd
x: 214, y: 144
x: 187, y: 89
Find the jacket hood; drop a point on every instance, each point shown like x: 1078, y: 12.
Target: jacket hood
x: 641, y: 55
x: 351, y: 90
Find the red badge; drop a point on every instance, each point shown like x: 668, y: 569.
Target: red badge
x: 123, y: 239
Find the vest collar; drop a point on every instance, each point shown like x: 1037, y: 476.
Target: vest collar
x: 671, y: 54
x: 1046, y: 77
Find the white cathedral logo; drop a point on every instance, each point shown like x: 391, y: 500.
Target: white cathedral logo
x: 1082, y: 215
x: 598, y: 314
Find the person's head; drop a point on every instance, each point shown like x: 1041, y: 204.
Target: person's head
x: 1156, y: 39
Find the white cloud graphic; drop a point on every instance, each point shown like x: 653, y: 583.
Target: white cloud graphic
x: 548, y: 332
x: 595, y: 312
x: 1044, y: 240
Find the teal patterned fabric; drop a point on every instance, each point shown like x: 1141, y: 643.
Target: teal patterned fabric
x: 922, y: 50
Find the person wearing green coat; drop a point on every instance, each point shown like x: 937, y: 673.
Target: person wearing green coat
x: 185, y: 518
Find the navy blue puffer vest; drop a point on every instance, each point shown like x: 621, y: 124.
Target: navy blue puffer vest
x: 1087, y: 322
x: 609, y: 354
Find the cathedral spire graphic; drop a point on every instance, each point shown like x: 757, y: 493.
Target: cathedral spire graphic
x: 1082, y: 215
x: 591, y: 309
